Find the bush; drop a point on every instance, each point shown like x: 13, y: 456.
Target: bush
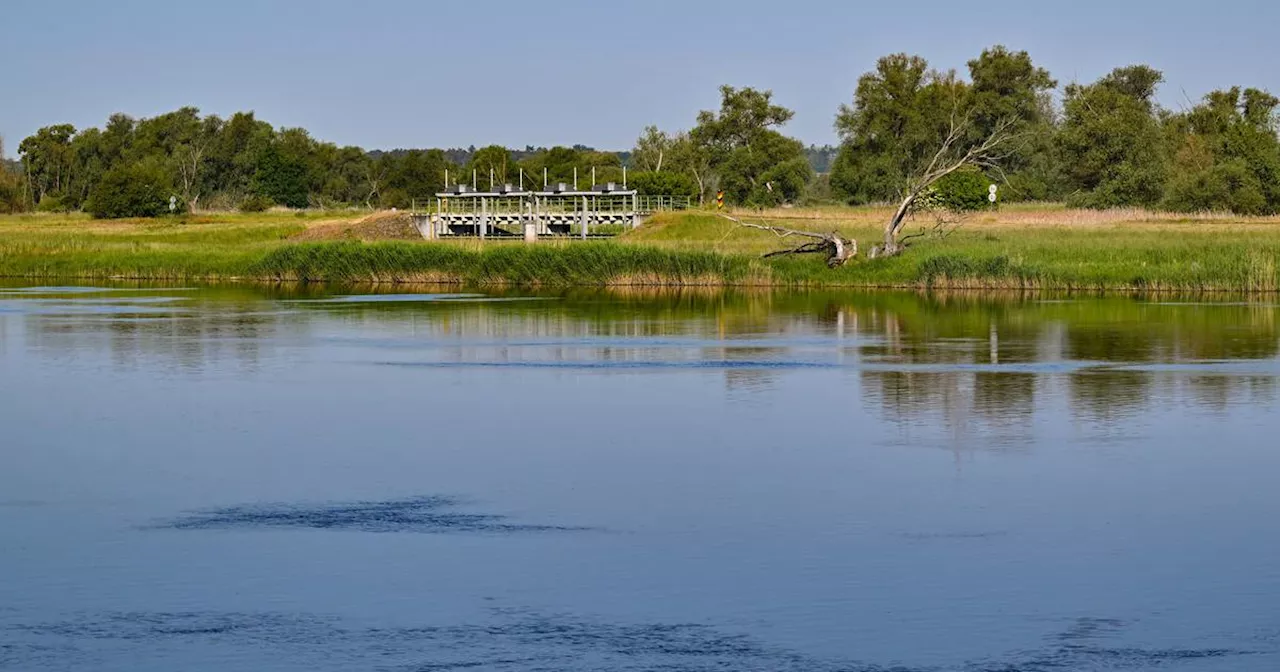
x: 133, y: 190
x: 963, y: 191
x: 256, y: 203
x: 52, y: 203
x: 666, y: 183
x: 1225, y: 186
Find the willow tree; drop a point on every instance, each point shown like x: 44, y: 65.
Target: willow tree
x: 910, y: 127
x: 959, y: 149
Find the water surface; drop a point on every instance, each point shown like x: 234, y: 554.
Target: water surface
x: 307, y: 479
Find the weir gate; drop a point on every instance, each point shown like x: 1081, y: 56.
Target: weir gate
x: 557, y: 210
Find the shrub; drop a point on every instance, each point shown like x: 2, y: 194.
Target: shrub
x: 132, y: 190
x: 51, y: 203
x: 963, y: 191
x: 256, y: 203
x: 1225, y: 186
x: 666, y: 183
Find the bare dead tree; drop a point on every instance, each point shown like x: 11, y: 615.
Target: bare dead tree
x: 374, y: 173
x: 189, y: 159
x: 953, y: 155
x: 989, y: 153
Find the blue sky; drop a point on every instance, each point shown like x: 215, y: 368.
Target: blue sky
x: 385, y: 74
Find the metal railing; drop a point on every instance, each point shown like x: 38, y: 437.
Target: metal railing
x: 647, y: 204
x: 552, y: 205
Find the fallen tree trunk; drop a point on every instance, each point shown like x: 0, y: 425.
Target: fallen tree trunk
x: 837, y: 248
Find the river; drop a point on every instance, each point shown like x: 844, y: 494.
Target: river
x: 240, y: 479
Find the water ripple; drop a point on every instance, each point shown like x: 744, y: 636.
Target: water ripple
x: 522, y: 640
x: 432, y: 514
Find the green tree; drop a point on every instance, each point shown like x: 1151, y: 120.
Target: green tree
x: 665, y: 183
x: 132, y: 190
x: 652, y: 150
x: 1227, y: 154
x: 900, y: 113
x: 11, y: 196
x: 1007, y: 85
x: 1111, y: 140
x: 495, y: 161
x: 48, y: 159
x: 756, y: 164
x: 287, y: 171
x: 903, y: 110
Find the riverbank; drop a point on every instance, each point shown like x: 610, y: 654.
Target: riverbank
x: 1020, y: 247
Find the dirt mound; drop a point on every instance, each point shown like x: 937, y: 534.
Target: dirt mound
x: 377, y: 226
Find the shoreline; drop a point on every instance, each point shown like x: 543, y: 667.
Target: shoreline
x: 1027, y: 249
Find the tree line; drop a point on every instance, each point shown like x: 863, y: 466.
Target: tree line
x: 1104, y: 144
x: 132, y: 167
x: 1101, y: 145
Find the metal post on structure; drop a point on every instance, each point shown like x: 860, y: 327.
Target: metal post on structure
x: 624, y: 178
x: 522, y: 179
x: 593, y: 176
x: 484, y: 216
x: 490, y: 180
x: 575, y: 178
x: 473, y: 179
x: 544, y: 178
x: 584, y: 217
x: 446, y: 179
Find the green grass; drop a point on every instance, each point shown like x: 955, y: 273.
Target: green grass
x: 1027, y: 247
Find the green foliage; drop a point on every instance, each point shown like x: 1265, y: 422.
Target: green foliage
x: 494, y: 160
x: 899, y: 115
x: 965, y: 190
x: 903, y: 111
x: 12, y: 196
x: 281, y: 176
x: 49, y: 160
x: 256, y: 203
x: 1111, y: 141
x: 1229, y: 186
x: 52, y: 203
x: 131, y: 190
x: 560, y: 164
x: 1227, y: 155
x: 754, y: 163
x: 665, y: 183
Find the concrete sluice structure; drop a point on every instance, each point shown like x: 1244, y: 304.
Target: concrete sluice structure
x: 509, y: 212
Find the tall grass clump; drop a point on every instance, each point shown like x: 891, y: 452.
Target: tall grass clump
x: 544, y: 265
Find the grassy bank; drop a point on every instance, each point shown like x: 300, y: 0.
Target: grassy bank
x: 1020, y: 247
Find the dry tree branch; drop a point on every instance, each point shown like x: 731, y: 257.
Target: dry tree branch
x: 837, y: 248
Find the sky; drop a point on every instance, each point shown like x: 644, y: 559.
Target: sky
x: 384, y: 74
